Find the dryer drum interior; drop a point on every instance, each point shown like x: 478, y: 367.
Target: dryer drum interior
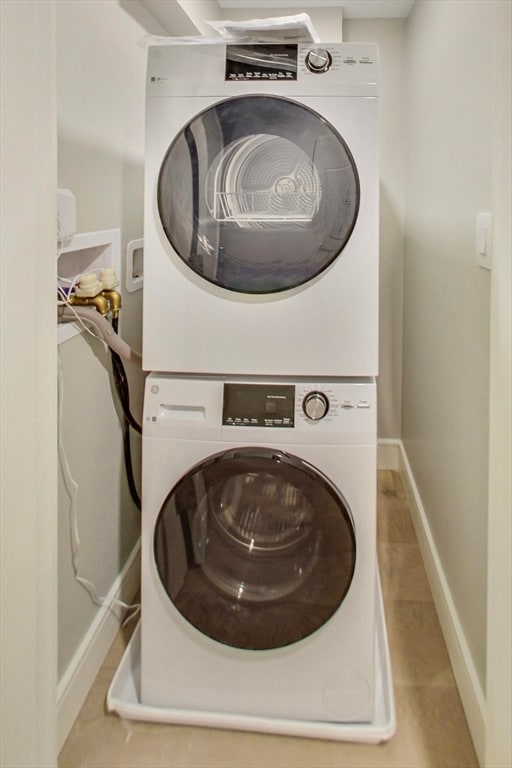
x: 261, y: 181
x: 255, y: 548
x: 258, y: 194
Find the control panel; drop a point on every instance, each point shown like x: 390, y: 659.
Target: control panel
x: 338, y: 59
x: 280, y: 405
x: 257, y: 62
x: 328, y: 403
x: 315, y: 405
x: 299, y: 411
x: 287, y: 69
x: 318, y: 60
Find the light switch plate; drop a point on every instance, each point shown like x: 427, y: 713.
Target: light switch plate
x: 483, y: 240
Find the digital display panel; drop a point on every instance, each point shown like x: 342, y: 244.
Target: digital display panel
x: 258, y: 405
x: 261, y: 62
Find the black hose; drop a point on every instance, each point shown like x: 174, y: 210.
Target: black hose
x: 121, y: 383
x: 123, y: 393
x: 128, y: 463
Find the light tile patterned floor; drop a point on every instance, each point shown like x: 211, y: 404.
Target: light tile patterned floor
x: 431, y: 727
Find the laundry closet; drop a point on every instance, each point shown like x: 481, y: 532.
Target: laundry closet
x: 183, y: 298
x: 437, y: 171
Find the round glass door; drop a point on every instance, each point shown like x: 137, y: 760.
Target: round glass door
x: 258, y: 194
x: 255, y: 548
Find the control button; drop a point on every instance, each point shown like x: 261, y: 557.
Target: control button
x: 318, y: 60
x: 347, y: 404
x: 363, y: 404
x: 315, y: 405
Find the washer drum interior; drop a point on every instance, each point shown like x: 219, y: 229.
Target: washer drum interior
x: 255, y: 548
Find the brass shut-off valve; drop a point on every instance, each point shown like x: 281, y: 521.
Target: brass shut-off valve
x: 98, y: 292
x: 114, y: 299
x: 100, y: 302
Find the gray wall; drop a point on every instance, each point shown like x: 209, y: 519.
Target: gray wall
x: 447, y: 298
x: 436, y: 156
x: 28, y: 389
x: 390, y: 36
x: 100, y: 106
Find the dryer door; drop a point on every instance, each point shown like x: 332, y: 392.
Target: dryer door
x: 255, y: 548
x: 258, y: 194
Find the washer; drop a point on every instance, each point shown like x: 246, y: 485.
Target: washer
x: 258, y: 547
x: 261, y: 210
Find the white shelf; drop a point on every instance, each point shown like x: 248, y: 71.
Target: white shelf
x: 87, y: 252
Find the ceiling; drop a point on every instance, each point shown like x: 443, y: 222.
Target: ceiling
x: 174, y: 17
x: 351, y: 9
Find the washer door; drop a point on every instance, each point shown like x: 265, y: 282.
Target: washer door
x: 255, y: 548
x: 258, y: 194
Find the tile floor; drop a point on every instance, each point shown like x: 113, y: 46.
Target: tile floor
x: 431, y: 727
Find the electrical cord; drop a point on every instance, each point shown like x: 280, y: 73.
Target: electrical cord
x: 72, y: 489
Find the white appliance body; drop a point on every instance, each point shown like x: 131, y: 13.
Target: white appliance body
x: 261, y: 212
x: 274, y: 620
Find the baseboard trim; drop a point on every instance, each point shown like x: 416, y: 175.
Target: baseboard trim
x: 78, y: 678
x: 388, y: 454
x: 470, y: 690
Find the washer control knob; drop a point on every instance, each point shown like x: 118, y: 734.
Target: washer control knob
x: 318, y: 60
x: 315, y: 405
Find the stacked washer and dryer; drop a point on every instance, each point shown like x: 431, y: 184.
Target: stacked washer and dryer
x: 259, y: 596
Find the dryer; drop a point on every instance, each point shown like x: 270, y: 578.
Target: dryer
x: 261, y: 210
x: 259, y: 547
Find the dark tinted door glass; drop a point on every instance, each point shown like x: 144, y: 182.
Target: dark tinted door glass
x: 255, y: 548
x: 258, y: 194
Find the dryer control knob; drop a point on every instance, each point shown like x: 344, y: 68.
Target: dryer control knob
x: 318, y: 60
x: 315, y: 405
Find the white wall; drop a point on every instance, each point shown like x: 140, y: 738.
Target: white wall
x: 28, y: 386
x: 100, y: 110
x: 389, y: 34
x: 202, y: 11
x: 498, y: 748
x: 451, y: 164
x: 447, y: 298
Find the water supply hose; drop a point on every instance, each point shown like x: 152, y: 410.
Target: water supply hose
x: 119, y: 350
x: 103, y: 328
